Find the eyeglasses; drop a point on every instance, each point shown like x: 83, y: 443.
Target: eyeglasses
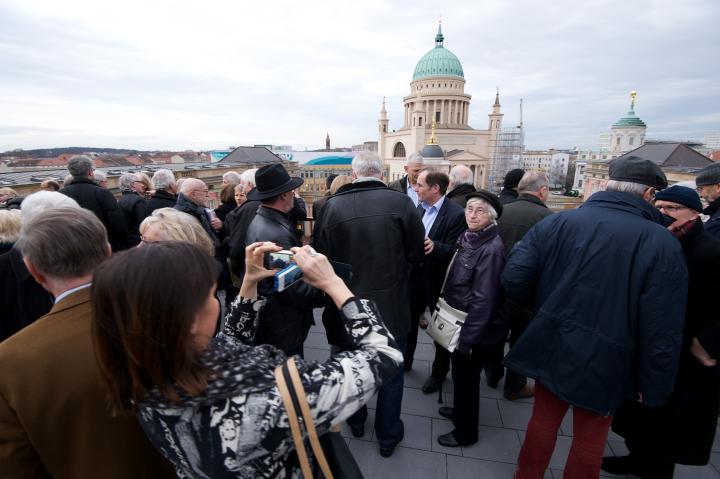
x: 670, y: 209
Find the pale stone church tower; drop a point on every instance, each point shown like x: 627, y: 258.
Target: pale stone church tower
x: 628, y: 133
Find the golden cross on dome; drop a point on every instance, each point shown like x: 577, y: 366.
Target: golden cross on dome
x: 633, y: 94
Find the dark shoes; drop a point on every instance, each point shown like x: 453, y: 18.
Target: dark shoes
x: 621, y: 466
x: 449, y: 440
x: 431, y: 385
x: 527, y: 392
x: 358, y: 432
x: 387, y: 452
x: 447, y: 412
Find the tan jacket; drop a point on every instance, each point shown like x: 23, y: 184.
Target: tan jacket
x: 53, y: 416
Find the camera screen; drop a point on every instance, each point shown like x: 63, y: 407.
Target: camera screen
x: 279, y: 260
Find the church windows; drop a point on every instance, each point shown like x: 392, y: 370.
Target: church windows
x: 437, y: 116
x: 420, y: 121
x: 399, y: 150
x: 631, y: 140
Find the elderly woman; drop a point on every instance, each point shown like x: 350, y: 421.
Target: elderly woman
x: 169, y: 224
x: 473, y: 286
x: 9, y: 229
x: 211, y: 405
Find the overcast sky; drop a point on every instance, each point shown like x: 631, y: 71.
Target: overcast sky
x: 157, y: 74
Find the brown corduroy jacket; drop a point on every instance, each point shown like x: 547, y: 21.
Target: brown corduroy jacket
x: 54, y: 420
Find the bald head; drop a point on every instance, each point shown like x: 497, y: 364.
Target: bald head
x: 460, y: 175
x: 196, y: 191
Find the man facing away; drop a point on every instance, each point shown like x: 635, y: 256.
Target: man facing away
x: 165, y: 195
x: 54, y: 415
x: 607, y: 284
x: 377, y: 231
x: 132, y: 204
x: 461, y: 184
x: 708, y: 186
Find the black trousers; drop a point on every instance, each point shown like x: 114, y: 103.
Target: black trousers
x: 466, y: 370
x: 416, y: 310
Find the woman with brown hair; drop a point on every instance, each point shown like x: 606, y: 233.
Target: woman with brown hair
x: 211, y: 405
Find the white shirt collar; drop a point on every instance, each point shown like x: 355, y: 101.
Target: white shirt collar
x: 67, y: 293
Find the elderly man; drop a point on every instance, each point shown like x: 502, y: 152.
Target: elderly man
x: 231, y: 178
x: 165, y: 187
x: 287, y: 316
x: 54, y: 415
x: 100, y: 201
x: 517, y: 219
x: 461, y: 184
x: 683, y: 429
x: 100, y: 178
x: 406, y: 184
x: 132, y: 204
x: 377, y: 231
x: 608, y: 286
x: 248, y: 179
x: 444, y: 222
x: 193, y: 200
x: 239, y: 220
x: 708, y: 185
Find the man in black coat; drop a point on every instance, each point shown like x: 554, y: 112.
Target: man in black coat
x: 708, y: 185
x: 287, y: 316
x: 461, y: 185
x: 165, y: 195
x: 193, y: 200
x: 377, y: 231
x: 406, y: 184
x: 517, y: 219
x: 444, y: 222
x: 132, y: 204
x: 100, y: 201
x: 683, y: 429
x: 509, y: 192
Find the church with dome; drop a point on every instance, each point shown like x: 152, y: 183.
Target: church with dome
x: 435, y: 120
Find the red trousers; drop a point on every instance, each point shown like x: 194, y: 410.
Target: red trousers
x: 590, y: 432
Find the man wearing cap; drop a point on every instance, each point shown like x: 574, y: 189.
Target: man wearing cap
x: 682, y: 430
x: 607, y: 285
x: 509, y: 192
x: 287, y: 316
x: 708, y: 185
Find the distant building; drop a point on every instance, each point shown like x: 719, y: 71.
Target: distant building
x: 553, y: 162
x: 366, y: 146
x: 712, y: 141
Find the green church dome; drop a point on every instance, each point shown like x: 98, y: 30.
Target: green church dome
x: 438, y: 62
x: 630, y: 119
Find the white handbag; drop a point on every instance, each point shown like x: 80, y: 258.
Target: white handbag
x: 444, y: 326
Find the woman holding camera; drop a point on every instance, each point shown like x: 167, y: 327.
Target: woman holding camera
x: 211, y: 405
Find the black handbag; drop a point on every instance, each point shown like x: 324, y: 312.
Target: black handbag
x: 333, y: 458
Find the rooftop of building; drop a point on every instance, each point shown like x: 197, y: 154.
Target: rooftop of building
x: 438, y: 62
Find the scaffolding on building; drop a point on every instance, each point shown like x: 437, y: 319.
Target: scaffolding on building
x: 507, y: 150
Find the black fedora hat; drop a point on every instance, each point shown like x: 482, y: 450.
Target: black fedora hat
x: 272, y: 180
x: 491, y: 198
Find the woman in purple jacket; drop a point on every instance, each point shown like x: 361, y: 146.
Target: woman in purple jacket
x: 473, y: 285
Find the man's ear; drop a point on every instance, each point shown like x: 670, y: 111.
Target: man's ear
x: 40, y: 278
x: 108, y: 250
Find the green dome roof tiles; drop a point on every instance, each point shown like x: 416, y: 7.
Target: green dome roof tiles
x: 438, y: 62
x: 630, y: 119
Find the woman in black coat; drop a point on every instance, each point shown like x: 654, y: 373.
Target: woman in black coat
x: 473, y: 286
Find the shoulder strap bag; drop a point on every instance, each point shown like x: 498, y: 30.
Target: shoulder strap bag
x: 332, y: 455
x: 446, y: 321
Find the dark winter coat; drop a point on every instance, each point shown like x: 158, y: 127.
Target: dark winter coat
x: 101, y: 202
x: 508, y: 195
x: 186, y: 205
x: 287, y: 317
x: 473, y: 285
x: 607, y: 284
x: 458, y: 194
x: 160, y: 199
x: 134, y: 212
x: 225, y: 209
x: 377, y: 231
x: 518, y: 217
x: 239, y: 221
x: 400, y: 185
x: 712, y: 225
x: 684, y: 428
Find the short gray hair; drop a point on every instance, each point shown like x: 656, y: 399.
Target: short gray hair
x: 126, y: 181
x: 367, y: 163
x: 41, y: 201
x: 248, y: 177
x: 10, y: 223
x: 637, y: 189
x: 64, y: 243
x: 80, y: 166
x: 162, y: 179
x: 232, y: 177
x: 461, y: 175
x: 415, y: 158
x: 532, y: 181
x: 99, y: 176
x: 491, y: 210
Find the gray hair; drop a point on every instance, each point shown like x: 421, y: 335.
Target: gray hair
x: 174, y: 225
x: 67, y: 180
x: 461, y: 175
x: 491, y: 210
x: 637, y: 189
x: 99, y: 177
x: 10, y: 223
x: 190, y: 185
x: 41, y: 201
x: 532, y: 181
x: 64, y: 243
x: 367, y: 163
x: 162, y: 179
x: 80, y: 166
x: 126, y: 181
x: 415, y: 158
x: 232, y: 177
x: 248, y: 177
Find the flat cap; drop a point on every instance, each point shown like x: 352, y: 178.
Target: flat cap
x: 638, y: 170
x: 709, y: 175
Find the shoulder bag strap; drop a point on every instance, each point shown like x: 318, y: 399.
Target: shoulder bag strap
x: 294, y: 422
x: 447, y: 273
x: 307, y: 416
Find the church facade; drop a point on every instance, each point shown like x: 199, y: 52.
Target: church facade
x: 436, y: 112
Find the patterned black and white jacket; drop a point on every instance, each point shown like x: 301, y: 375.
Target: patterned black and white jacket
x: 239, y: 426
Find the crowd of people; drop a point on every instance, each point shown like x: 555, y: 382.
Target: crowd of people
x: 112, y: 338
